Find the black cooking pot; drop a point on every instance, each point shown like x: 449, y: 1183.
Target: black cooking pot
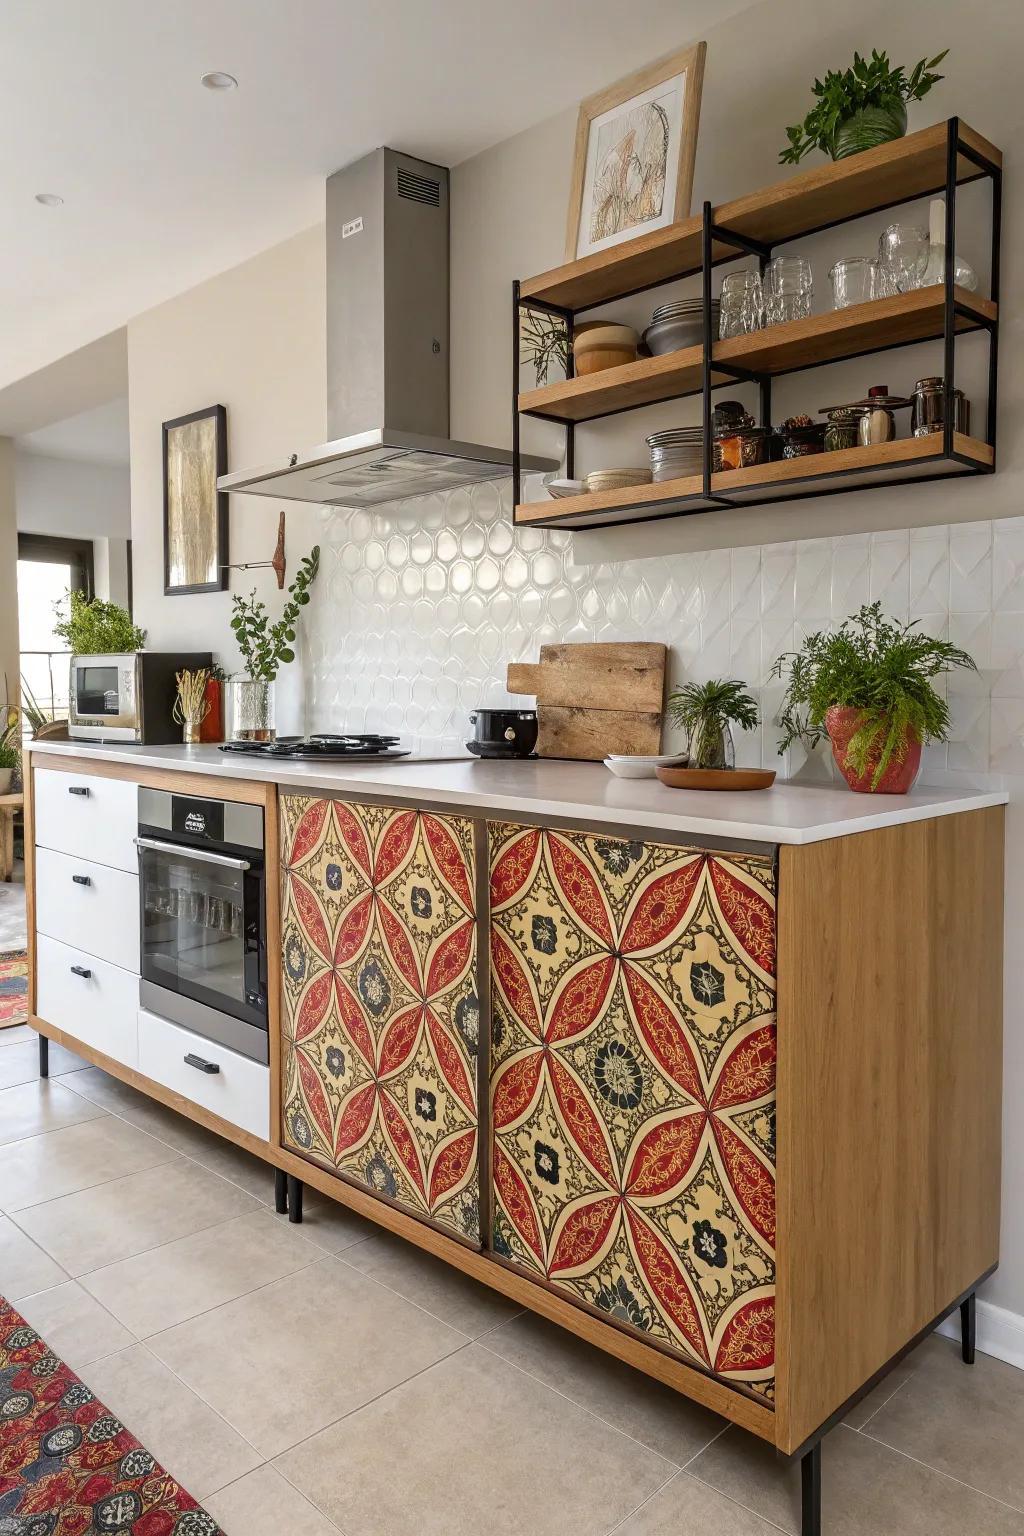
x: 503, y: 732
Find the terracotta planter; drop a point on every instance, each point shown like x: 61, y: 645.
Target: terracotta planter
x: 898, y: 779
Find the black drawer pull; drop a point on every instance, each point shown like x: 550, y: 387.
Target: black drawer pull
x: 77, y: 789
x: 81, y: 970
x: 201, y: 1065
x: 82, y: 879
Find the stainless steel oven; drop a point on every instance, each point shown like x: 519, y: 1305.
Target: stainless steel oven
x: 202, y: 888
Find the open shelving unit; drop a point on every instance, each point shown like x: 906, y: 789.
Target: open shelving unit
x: 938, y: 159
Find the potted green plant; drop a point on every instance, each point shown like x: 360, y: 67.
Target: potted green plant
x: 92, y: 627
x: 868, y: 688
x: 860, y: 107
x: 264, y: 647
x: 10, y: 750
x: 707, y: 712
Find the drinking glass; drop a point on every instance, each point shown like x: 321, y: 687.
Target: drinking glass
x: 742, y: 305
x: 903, y: 253
x: 857, y: 281
x: 788, y: 289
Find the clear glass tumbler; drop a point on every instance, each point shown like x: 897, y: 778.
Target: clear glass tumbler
x: 903, y: 253
x: 742, y: 305
x: 857, y: 281
x: 788, y: 289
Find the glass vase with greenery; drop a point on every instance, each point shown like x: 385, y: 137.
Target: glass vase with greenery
x: 868, y: 688
x: 860, y: 107
x: 92, y: 627
x: 707, y: 712
x: 265, y: 647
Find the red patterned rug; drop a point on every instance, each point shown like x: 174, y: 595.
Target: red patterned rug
x: 13, y: 988
x: 67, y: 1466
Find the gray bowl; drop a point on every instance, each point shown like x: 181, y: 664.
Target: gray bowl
x: 673, y: 334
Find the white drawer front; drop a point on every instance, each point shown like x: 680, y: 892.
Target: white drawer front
x: 88, y: 816
x: 99, y: 1008
x: 238, y: 1091
x: 88, y: 905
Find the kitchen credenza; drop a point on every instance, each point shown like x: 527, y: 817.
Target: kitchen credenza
x: 727, y: 1106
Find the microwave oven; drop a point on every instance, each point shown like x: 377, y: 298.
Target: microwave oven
x: 128, y: 697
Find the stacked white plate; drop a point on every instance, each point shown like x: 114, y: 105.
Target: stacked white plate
x: 676, y: 452
x: 640, y: 767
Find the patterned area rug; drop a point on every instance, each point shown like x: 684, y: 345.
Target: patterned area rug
x: 67, y: 1466
x: 13, y: 988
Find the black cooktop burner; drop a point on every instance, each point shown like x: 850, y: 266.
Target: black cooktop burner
x: 321, y: 746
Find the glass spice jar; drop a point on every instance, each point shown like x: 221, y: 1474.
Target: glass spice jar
x: 840, y: 430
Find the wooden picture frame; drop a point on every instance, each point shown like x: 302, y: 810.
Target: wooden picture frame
x: 195, y: 454
x: 661, y: 103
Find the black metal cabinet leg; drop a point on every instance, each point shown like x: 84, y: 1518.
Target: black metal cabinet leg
x: 810, y: 1492
x: 280, y: 1191
x: 968, y: 1327
x: 44, y: 1056
x: 294, y: 1198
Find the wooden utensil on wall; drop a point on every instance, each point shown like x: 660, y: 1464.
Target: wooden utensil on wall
x: 593, y: 699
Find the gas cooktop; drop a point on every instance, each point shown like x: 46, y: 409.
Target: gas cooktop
x: 376, y: 748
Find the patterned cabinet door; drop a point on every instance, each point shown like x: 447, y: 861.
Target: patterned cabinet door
x: 633, y: 1085
x: 380, y: 1015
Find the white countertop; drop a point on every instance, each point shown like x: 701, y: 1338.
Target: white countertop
x: 786, y: 813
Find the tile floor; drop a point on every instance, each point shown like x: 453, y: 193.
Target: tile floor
x: 306, y: 1381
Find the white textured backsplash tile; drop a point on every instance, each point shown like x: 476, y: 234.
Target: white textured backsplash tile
x: 420, y: 606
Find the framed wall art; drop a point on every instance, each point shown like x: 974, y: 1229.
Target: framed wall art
x: 195, y: 452
x: 635, y: 147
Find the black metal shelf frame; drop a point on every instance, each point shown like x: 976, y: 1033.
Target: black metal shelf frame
x: 739, y: 246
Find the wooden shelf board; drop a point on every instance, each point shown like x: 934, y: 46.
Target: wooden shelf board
x: 909, y: 168
x: 883, y: 323
x: 882, y: 463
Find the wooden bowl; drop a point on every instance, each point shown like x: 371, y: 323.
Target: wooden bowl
x: 717, y: 778
x: 616, y: 479
x: 598, y: 345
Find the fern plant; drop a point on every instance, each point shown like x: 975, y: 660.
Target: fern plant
x: 877, y: 666
x: 264, y: 646
x: 704, y: 710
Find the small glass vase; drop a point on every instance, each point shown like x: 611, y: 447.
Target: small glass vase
x: 711, y: 745
x: 249, y: 708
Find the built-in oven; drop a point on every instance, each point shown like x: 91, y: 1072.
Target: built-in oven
x: 202, y: 889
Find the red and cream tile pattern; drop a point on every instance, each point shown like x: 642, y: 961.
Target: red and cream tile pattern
x: 381, y: 1017
x: 633, y: 1085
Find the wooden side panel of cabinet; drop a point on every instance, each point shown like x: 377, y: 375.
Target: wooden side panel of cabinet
x: 633, y: 1086
x: 380, y: 1022
x: 889, y: 1096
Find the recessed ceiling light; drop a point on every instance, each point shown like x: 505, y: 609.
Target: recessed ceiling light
x: 217, y: 80
x: 49, y: 199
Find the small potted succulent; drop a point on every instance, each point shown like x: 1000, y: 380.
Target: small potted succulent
x: 860, y: 107
x: 868, y: 688
x: 264, y: 647
x: 707, y: 712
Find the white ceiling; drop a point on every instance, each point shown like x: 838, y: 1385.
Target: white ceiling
x: 97, y: 436
x: 166, y: 183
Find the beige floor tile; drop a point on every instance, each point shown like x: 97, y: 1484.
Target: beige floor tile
x: 263, y: 1503
x: 473, y: 1445
x: 137, y: 1108
x: 867, y: 1490
x: 17, y: 1034
x: 450, y: 1295
x: 33, y: 1108
x: 222, y: 1157
x: 20, y: 1063
x: 185, y: 1435
x: 640, y: 1407
x: 868, y: 1406
x: 964, y: 1420
x: 24, y: 1267
x: 109, y: 1222
x: 333, y: 1227
x: 286, y: 1360
x: 76, y: 1157
x: 689, y: 1508
x: 168, y: 1285
x: 75, y: 1326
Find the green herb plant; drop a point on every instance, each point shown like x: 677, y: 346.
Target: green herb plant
x: 877, y: 666
x: 869, y: 83
x: 94, y: 628
x: 264, y: 646
x: 703, y: 710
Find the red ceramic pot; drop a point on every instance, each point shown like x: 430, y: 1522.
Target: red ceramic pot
x: 898, y: 779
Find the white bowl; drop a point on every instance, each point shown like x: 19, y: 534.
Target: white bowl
x: 639, y: 767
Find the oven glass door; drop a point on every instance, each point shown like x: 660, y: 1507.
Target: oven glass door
x: 202, y: 926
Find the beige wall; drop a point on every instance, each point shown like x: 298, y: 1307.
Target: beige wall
x: 9, y: 667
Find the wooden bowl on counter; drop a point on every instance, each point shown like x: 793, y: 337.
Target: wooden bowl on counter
x: 716, y: 778
x: 598, y: 345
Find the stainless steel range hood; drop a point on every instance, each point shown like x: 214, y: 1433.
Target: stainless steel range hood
x: 387, y: 349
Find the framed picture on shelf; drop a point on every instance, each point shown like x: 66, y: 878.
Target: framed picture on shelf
x: 195, y: 452
x: 635, y: 147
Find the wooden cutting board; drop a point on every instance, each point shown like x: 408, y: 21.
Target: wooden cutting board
x: 593, y: 699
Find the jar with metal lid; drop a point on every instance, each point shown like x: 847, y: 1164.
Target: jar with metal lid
x: 929, y: 413
x: 739, y: 447
x: 841, y: 429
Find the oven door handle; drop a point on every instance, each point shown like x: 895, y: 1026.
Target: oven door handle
x: 192, y: 853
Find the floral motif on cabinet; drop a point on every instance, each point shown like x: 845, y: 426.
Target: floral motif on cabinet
x: 633, y: 1085
x: 381, y: 1017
